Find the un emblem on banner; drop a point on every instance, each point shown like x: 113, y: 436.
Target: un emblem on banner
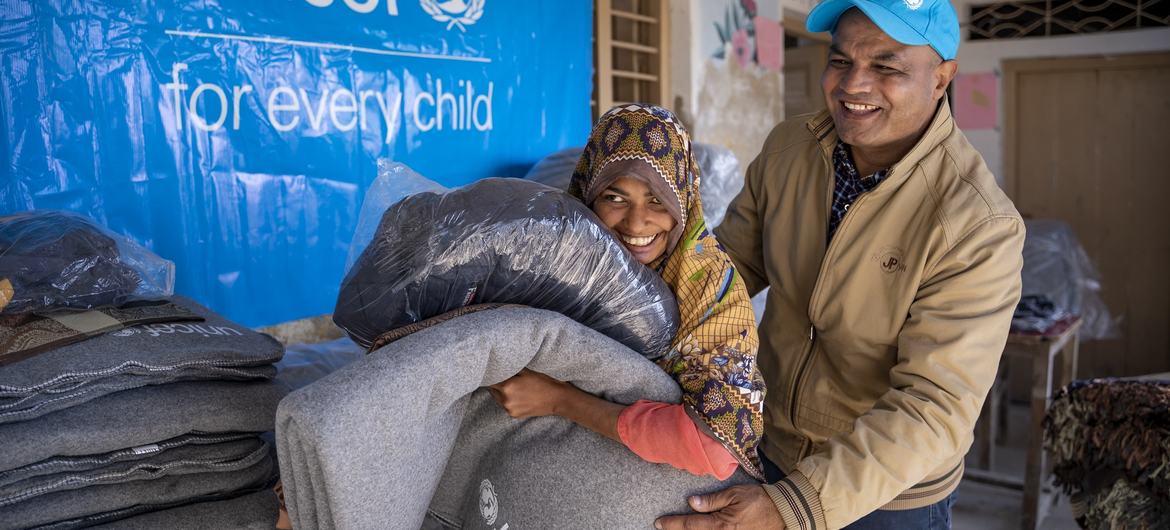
x: 454, y: 12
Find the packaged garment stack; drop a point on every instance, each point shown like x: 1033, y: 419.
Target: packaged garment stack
x: 118, y: 398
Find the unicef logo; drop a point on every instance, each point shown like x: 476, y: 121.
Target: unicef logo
x: 128, y: 332
x: 489, y: 506
x: 459, y: 13
x: 913, y: 4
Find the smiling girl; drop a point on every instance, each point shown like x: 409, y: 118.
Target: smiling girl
x: 639, y: 176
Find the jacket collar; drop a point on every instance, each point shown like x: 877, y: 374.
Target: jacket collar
x: 941, y: 126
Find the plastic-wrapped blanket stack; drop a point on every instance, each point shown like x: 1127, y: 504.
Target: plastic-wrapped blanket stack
x: 1110, y: 445
x: 1060, y: 280
x: 503, y: 241
x: 407, y: 437
x: 57, y: 260
x: 117, y: 399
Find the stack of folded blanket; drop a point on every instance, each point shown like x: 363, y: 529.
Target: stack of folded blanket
x: 407, y: 437
x: 1110, y: 444
x: 108, y: 425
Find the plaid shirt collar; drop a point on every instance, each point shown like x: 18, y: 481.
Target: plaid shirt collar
x: 848, y: 185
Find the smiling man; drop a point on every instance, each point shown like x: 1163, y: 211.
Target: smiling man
x: 894, y: 264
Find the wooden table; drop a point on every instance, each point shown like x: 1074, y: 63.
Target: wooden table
x: 1042, y: 349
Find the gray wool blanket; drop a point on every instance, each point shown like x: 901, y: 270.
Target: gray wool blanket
x: 148, y: 354
x: 180, y: 456
x: 138, y: 417
x: 254, y: 511
x: 109, y: 502
x: 407, y: 436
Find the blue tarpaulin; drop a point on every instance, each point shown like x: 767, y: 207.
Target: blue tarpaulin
x: 237, y: 137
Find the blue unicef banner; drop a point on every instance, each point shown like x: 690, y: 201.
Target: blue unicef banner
x: 237, y: 137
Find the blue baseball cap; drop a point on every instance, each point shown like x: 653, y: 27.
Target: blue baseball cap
x: 910, y: 22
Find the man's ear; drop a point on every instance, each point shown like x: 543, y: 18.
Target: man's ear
x: 944, y: 73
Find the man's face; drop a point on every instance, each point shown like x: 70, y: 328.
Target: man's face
x: 881, y: 93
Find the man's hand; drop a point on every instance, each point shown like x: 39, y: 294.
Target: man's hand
x: 529, y: 394
x: 738, y: 507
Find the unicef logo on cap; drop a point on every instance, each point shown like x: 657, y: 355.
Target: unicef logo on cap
x: 455, y: 12
x: 912, y: 4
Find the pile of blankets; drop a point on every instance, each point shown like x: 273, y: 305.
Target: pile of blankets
x: 98, y: 426
x: 1110, y: 444
x: 407, y: 437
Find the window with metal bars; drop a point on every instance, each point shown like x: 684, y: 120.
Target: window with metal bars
x: 631, y: 60
x: 1046, y: 18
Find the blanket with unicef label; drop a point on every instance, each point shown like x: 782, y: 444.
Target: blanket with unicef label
x: 136, y: 356
x: 407, y: 437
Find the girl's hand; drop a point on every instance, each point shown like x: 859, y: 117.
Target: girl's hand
x: 530, y: 394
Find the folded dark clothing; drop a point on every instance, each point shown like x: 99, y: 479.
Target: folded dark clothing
x: 181, y: 456
x: 109, y: 502
x: 27, y: 334
x: 60, y: 259
x: 1036, y: 313
x: 253, y: 511
x: 141, y: 416
x: 148, y: 354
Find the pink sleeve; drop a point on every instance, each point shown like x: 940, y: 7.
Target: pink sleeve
x: 664, y: 434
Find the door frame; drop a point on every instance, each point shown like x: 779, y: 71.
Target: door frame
x: 1014, y: 68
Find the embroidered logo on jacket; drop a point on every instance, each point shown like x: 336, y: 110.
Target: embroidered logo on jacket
x: 891, y: 260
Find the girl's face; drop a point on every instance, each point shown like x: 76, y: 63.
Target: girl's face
x: 639, y: 219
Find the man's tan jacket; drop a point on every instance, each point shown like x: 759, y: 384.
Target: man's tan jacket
x: 878, y: 350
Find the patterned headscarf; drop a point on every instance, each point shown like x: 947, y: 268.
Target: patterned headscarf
x: 713, y: 356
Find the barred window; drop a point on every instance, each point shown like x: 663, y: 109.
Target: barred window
x: 1045, y: 18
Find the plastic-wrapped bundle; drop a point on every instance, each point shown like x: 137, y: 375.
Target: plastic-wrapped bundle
x: 556, y: 170
x: 395, y: 182
x: 58, y: 260
x: 719, y: 172
x: 503, y: 241
x: 720, y: 180
x: 1057, y: 270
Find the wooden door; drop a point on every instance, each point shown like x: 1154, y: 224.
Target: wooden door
x: 1086, y: 141
x: 805, y: 57
x: 803, y: 66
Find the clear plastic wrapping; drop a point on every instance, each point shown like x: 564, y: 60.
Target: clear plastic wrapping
x: 395, y: 182
x: 51, y: 260
x: 503, y: 241
x: 556, y: 170
x: 1060, y: 280
x: 720, y: 176
x: 720, y: 180
x: 305, y: 363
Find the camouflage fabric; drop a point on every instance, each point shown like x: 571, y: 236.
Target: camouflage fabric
x: 1110, y: 445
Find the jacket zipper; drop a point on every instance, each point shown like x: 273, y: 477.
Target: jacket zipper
x: 806, y: 358
x: 797, y: 378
